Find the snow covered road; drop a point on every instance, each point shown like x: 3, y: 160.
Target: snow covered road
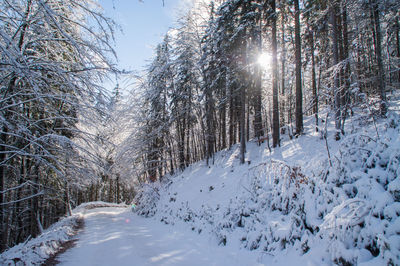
x: 116, y: 236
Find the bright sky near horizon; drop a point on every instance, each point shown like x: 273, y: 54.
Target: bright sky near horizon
x: 144, y: 24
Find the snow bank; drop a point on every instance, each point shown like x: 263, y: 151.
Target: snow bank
x: 37, y: 250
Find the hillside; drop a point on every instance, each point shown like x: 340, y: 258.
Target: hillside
x: 291, y: 206
x: 287, y: 207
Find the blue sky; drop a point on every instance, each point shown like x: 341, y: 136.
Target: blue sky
x: 143, y: 24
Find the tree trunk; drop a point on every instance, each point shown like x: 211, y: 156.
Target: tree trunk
x: 398, y: 47
x: 275, y: 102
x: 258, y: 130
x: 110, y: 190
x: 335, y: 91
x: 242, y: 124
x: 314, y: 82
x: 223, y: 115
x: 34, y: 219
x: 210, y: 137
x: 68, y: 210
x: 3, y: 157
x: 378, y: 52
x: 231, y: 118
x: 346, y: 71
x: 299, y: 92
x: 283, y: 66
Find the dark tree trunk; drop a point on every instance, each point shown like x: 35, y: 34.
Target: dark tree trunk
x: 258, y: 130
x: 231, y: 118
x: 118, y: 189
x: 336, y: 92
x: 110, y: 190
x: 223, y: 117
x: 3, y: 157
x: 378, y: 52
x: 210, y: 137
x: 275, y: 102
x: 242, y: 123
x: 299, y: 92
x: 346, y: 71
x: 314, y: 82
x: 283, y: 67
x: 398, y: 47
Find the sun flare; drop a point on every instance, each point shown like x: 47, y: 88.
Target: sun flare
x: 264, y: 60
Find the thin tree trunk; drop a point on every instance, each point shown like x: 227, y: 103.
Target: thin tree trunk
x: 118, y: 189
x: 283, y: 66
x: 314, y: 82
x: 398, y: 47
x: 346, y: 70
x: 335, y: 91
x: 231, y: 118
x: 258, y: 130
x: 223, y: 118
x: 3, y: 157
x: 242, y: 124
x: 67, y: 200
x: 247, y: 118
x: 110, y: 190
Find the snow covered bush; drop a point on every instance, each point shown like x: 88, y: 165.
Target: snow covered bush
x: 147, y: 198
x: 365, y: 183
x: 277, y: 209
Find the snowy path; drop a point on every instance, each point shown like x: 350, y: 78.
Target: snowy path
x: 116, y: 236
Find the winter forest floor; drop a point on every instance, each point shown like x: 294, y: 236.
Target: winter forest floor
x: 285, y: 207
x: 116, y: 236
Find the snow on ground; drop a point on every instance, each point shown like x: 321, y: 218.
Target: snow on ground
x: 37, y: 250
x: 290, y: 206
x: 287, y: 207
x: 116, y: 236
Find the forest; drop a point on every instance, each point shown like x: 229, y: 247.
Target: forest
x: 230, y: 73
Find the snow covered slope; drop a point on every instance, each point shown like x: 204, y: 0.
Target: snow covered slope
x: 287, y: 207
x: 291, y: 206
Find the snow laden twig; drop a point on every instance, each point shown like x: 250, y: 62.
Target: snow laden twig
x: 326, y: 138
x: 373, y: 119
x: 349, y: 213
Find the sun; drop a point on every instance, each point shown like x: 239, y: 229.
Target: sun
x: 264, y: 60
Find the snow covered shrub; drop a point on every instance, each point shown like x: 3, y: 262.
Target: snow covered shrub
x: 365, y: 183
x: 284, y: 190
x: 147, y: 198
x: 269, y: 214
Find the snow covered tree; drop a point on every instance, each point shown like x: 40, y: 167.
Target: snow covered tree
x: 53, y: 53
x: 182, y: 93
x: 160, y: 82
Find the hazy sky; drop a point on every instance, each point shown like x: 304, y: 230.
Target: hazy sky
x: 143, y: 23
